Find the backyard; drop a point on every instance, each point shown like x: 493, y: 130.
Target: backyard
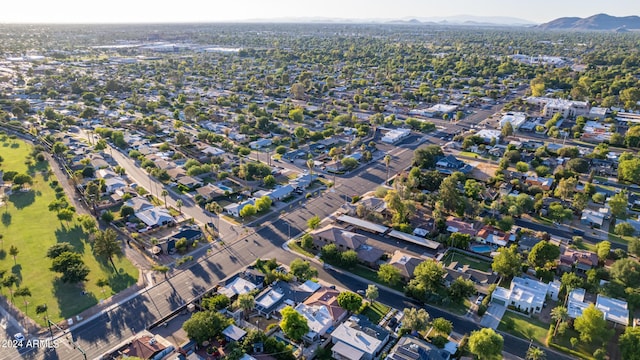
x: 28, y: 225
x: 375, y: 311
x: 466, y: 260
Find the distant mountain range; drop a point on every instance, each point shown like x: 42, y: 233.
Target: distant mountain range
x: 601, y: 22
x: 464, y: 20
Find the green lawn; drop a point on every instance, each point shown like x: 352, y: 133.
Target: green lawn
x: 369, y: 274
x: 563, y: 343
x: 28, y: 225
x: 524, y: 327
x: 295, y: 246
x: 467, y: 260
x: 375, y: 312
x: 617, y: 238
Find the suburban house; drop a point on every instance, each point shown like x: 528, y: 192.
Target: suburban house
x: 343, y: 239
x: 327, y: 298
x: 490, y: 235
x: 347, y: 240
x: 405, y: 263
x: 579, y: 261
x: 281, y: 294
x: 318, y: 318
x: 233, y: 333
x: 280, y: 193
x: 260, y: 143
x: 460, y: 226
x: 155, y: 217
x: 112, y: 184
x: 356, y: 338
x: 592, y: 218
x: 543, y: 183
x: 481, y: 279
x: 412, y: 348
x: 147, y: 347
x: 235, y: 208
x: 527, y: 295
x: 450, y: 164
x: 613, y: 310
x: 190, y: 182
x: 210, y: 192
x: 138, y: 203
x: 237, y: 286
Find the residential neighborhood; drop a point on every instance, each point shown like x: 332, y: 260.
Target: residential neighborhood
x: 290, y: 191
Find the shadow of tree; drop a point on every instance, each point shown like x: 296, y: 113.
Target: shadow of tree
x: 73, y: 235
x: 71, y: 298
x: 6, y: 219
x: 15, y: 145
x: 121, y: 281
x: 3, y: 254
x: 17, y: 271
x: 22, y: 199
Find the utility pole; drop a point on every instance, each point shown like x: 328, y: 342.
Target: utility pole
x: 71, y: 341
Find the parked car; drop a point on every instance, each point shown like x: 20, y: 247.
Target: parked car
x: 479, y: 300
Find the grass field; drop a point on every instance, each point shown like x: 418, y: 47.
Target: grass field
x: 524, y: 327
x: 375, y: 311
x: 467, y: 260
x: 28, y: 225
x: 563, y: 343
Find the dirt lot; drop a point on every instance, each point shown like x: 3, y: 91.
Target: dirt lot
x: 482, y: 171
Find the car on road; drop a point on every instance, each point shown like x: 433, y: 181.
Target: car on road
x: 360, y: 291
x: 19, y: 338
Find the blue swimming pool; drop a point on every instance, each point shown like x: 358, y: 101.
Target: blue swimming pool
x: 224, y: 188
x: 481, y: 248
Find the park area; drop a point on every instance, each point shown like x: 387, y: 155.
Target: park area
x: 30, y: 228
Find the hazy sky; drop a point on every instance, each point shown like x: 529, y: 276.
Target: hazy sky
x: 83, y: 11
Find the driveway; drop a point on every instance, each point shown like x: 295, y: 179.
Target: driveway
x: 493, y: 316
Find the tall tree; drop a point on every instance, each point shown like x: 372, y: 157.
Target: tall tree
x: 415, y: 319
x: 387, y: 162
x: 559, y: 314
x: 302, y: 269
x: 630, y: 343
x: 486, y: 344
x: 205, y: 325
x: 507, y: 262
x: 389, y: 274
x: 592, y: 326
x: 543, y: 253
x: 13, y: 251
x: 164, y: 194
x: 106, y: 245
x: 371, y: 293
x: 349, y: 301
x: 246, y: 302
x: 293, y: 324
x: 429, y: 274
x: 535, y: 353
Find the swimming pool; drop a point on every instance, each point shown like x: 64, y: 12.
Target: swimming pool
x: 481, y: 248
x: 224, y: 188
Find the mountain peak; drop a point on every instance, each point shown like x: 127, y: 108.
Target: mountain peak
x: 602, y: 22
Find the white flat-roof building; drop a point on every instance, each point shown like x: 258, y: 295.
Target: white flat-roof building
x: 598, y: 113
x: 614, y: 310
x: 515, y: 118
x: 395, y: 135
x: 440, y: 109
x: 487, y: 135
x: 526, y: 294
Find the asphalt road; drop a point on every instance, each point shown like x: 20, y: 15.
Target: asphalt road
x: 98, y: 335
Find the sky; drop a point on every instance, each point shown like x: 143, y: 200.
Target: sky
x: 136, y: 11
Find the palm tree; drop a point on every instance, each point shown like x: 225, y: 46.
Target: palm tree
x: 246, y: 302
x: 13, y: 251
x: 23, y: 292
x: 535, y: 353
x: 214, y: 207
x: 5, y: 201
x: 164, y: 194
x: 106, y: 244
x: 179, y: 205
x: 387, y: 161
x: 8, y: 282
x: 310, y: 164
x: 559, y: 314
